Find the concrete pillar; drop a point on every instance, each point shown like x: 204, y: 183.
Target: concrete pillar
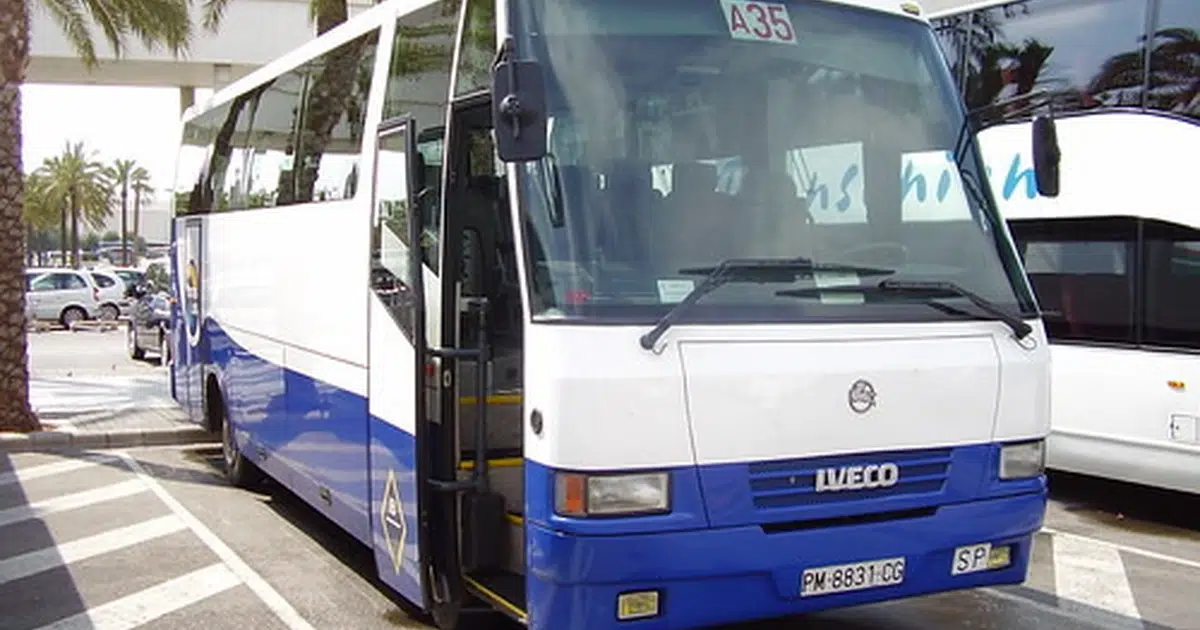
x: 187, y: 97
x: 222, y: 75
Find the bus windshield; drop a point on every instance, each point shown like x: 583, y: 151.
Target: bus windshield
x: 681, y: 134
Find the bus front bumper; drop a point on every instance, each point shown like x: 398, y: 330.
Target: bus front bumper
x: 704, y: 577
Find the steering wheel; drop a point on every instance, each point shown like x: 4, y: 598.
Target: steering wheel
x: 876, y: 254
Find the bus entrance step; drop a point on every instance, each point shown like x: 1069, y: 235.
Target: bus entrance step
x: 503, y: 589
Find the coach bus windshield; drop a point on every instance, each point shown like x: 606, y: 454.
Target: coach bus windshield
x: 684, y: 133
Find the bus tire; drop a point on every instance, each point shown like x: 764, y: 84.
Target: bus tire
x: 239, y: 470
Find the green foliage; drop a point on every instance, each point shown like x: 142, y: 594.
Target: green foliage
x: 155, y: 23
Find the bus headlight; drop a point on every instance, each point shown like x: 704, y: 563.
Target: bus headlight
x: 1019, y: 461
x: 612, y: 495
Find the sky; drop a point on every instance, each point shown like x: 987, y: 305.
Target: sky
x: 116, y: 122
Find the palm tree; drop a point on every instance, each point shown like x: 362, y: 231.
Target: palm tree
x: 1175, y: 71
x: 142, y: 191
x: 120, y: 172
x: 154, y: 23
x: 40, y: 213
x: 78, y: 183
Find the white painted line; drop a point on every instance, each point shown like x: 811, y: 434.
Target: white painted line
x: 1126, y: 548
x: 268, y: 595
x: 70, y: 501
x: 145, y: 606
x: 35, y: 562
x: 56, y: 468
x: 1089, y: 576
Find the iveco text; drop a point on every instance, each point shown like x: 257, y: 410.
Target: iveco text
x: 857, y: 477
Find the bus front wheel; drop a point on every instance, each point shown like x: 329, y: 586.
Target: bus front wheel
x: 240, y: 471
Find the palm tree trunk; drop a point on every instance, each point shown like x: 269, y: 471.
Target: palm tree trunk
x: 124, y: 216
x: 63, y: 241
x: 137, y: 215
x: 15, y: 414
x: 74, y: 229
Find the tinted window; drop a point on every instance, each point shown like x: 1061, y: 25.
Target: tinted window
x: 1175, y: 59
x: 198, y: 136
x: 47, y: 282
x: 674, y: 145
x: 1087, y: 53
x: 103, y: 281
x: 272, y: 138
x: 71, y: 281
x: 219, y: 187
x: 1082, y: 272
x: 419, y: 85
x: 477, y: 49
x: 392, y: 275
x: 1172, y: 276
x: 332, y: 118
x: 130, y: 277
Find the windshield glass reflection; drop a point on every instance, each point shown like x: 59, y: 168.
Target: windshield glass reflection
x: 684, y: 134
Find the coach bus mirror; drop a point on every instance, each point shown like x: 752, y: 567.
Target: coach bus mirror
x: 519, y: 110
x: 1046, y: 155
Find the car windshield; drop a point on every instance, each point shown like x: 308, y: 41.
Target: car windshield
x: 684, y: 134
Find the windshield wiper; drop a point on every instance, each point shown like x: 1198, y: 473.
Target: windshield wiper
x: 1018, y: 325
x: 760, y: 270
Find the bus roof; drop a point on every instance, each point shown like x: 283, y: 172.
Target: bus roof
x: 979, y: 5
x: 342, y: 33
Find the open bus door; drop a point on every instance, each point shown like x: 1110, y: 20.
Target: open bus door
x: 396, y: 355
x: 190, y: 347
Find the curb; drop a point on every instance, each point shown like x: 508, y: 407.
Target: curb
x: 126, y: 438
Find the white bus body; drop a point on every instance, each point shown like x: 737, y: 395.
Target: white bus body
x: 1114, y: 258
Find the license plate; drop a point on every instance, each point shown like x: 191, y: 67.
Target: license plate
x: 857, y: 576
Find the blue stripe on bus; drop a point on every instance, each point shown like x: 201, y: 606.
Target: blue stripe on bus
x: 732, y: 574
x: 315, y: 435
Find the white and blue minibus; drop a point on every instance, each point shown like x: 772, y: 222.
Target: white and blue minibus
x: 619, y: 314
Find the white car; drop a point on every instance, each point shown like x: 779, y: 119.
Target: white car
x: 114, y: 294
x: 62, y: 295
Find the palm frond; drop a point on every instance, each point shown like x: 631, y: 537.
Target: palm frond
x: 214, y: 13
x: 71, y: 20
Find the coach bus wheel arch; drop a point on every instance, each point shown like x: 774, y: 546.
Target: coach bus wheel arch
x: 239, y: 469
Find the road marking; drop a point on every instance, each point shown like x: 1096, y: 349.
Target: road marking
x: 70, y: 501
x: 34, y: 562
x: 1127, y: 548
x: 253, y: 580
x: 147, y: 605
x: 1089, y: 576
x: 56, y: 468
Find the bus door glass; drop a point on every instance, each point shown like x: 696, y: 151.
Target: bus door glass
x: 190, y: 344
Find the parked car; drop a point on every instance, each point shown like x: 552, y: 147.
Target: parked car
x: 149, y: 327
x: 114, y: 295
x: 63, y: 295
x: 132, y: 276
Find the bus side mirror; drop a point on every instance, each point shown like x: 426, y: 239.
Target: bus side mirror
x: 1046, y: 155
x: 519, y: 110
